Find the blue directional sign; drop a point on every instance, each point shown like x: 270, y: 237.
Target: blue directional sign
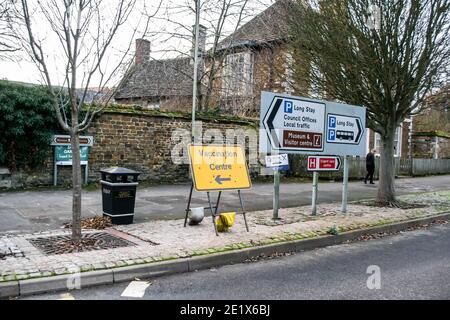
x: 344, y: 129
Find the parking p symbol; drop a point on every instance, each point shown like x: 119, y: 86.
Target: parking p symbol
x: 288, y: 106
x: 332, y: 121
x: 331, y: 135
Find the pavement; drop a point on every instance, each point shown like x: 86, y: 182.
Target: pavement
x: 33, y: 211
x: 29, y: 263
x: 411, y: 265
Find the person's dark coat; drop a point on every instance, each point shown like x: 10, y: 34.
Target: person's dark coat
x: 370, y: 161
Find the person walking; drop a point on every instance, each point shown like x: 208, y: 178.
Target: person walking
x: 370, y: 166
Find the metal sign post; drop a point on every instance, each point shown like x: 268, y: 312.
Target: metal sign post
x: 276, y: 195
x: 345, y: 186
x: 278, y: 163
x: 315, y: 192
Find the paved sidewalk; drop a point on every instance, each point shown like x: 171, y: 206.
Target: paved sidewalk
x: 167, y: 240
x: 32, y: 211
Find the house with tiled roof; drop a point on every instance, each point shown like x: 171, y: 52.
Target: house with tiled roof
x: 156, y: 84
x: 250, y: 60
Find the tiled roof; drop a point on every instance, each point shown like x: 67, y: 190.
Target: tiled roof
x: 270, y: 25
x: 158, y: 78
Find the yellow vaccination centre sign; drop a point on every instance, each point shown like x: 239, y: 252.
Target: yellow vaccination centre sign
x: 219, y: 167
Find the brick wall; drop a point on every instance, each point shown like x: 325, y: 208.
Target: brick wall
x: 134, y: 140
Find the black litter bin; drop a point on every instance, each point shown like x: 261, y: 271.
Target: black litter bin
x: 119, y: 194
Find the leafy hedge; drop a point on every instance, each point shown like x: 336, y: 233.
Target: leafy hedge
x: 27, y: 122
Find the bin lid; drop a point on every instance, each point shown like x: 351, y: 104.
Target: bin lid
x: 119, y: 171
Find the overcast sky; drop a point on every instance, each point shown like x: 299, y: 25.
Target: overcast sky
x: 169, y: 39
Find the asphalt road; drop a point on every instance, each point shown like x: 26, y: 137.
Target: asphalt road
x: 32, y: 211
x: 412, y: 265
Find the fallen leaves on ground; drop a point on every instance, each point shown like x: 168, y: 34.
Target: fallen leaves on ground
x: 97, y: 223
x: 82, y: 245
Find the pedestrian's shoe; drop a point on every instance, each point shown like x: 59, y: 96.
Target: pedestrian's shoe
x: 365, y: 181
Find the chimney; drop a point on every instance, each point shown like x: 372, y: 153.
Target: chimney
x: 201, y: 41
x: 142, y: 51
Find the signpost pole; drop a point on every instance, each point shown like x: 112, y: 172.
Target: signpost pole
x: 213, y: 213
x: 276, y: 195
x: 315, y: 192
x: 55, y: 173
x: 345, y: 185
x: 188, y: 209
x: 243, y: 210
x: 196, y: 63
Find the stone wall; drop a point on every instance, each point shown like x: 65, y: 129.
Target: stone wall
x: 138, y: 140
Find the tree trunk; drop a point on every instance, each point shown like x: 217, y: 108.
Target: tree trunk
x: 386, y: 189
x: 76, y: 187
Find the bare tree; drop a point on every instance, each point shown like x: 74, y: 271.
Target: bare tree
x: 85, y: 32
x: 384, y: 55
x: 8, y: 41
x: 216, y: 55
x: 219, y: 19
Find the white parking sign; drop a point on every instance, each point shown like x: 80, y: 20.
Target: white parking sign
x: 299, y: 125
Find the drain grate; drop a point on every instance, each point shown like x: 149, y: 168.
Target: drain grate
x: 57, y: 245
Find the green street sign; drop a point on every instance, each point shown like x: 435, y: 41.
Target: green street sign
x: 64, y: 153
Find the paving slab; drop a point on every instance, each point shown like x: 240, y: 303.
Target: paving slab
x: 166, y: 246
x: 33, y: 211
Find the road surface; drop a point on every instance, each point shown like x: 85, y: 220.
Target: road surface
x: 411, y: 265
x: 33, y: 211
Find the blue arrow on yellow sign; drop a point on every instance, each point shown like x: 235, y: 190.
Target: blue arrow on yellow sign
x: 219, y: 167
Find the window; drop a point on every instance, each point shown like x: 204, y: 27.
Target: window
x: 238, y: 74
x: 397, y: 142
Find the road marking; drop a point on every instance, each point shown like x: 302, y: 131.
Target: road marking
x: 136, y: 289
x: 66, y: 296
